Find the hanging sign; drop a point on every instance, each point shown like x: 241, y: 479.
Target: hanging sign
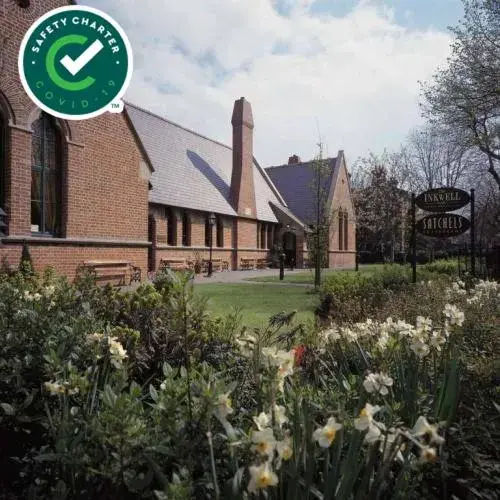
x: 442, y: 199
x: 442, y: 225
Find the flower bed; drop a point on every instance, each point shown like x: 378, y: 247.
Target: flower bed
x: 106, y: 394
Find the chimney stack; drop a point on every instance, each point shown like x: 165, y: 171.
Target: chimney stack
x: 293, y: 160
x: 242, y: 192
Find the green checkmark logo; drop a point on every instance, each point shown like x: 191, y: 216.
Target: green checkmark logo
x: 76, y: 62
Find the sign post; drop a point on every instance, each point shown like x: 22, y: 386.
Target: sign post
x: 441, y: 223
x: 413, y: 240
x: 472, y: 233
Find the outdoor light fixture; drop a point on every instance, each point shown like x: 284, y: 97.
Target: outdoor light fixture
x: 211, y: 221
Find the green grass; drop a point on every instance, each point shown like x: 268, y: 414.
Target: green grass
x: 307, y: 277
x: 258, y: 302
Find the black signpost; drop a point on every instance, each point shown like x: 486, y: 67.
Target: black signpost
x: 441, y: 223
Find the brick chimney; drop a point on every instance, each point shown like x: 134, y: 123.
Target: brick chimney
x: 293, y: 160
x: 242, y: 194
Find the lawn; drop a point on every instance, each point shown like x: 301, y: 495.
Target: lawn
x: 307, y: 277
x: 259, y: 302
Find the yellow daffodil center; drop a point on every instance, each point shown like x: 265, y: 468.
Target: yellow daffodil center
x: 262, y: 447
x: 430, y: 455
x: 330, y: 434
x: 264, y: 480
x: 363, y: 413
x: 287, y: 454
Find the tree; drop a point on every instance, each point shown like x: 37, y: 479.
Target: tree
x: 381, y: 207
x: 465, y: 95
x: 430, y: 158
x: 318, y: 239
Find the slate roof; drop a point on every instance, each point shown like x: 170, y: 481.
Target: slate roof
x: 295, y: 183
x: 193, y: 171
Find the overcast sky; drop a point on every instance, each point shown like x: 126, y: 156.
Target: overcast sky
x: 346, y: 68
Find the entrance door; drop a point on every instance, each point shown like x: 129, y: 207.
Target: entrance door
x: 290, y: 249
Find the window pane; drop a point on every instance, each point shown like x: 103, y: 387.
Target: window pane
x: 49, y: 187
x: 207, y: 233
x: 36, y: 217
x: 220, y: 233
x: 50, y: 217
x: 36, y: 185
x: 36, y: 143
x: 50, y: 144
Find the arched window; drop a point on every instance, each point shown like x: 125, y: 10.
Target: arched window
x: 186, y: 230
x: 3, y: 159
x: 220, y: 232
x: 341, y: 230
x: 45, y: 176
x: 346, y: 231
x: 171, y: 227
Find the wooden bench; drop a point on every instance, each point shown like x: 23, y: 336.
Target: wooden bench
x: 108, y: 270
x: 262, y: 263
x: 175, y: 264
x: 217, y: 265
x: 246, y: 264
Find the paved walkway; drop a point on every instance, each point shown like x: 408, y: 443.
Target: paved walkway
x: 243, y: 276
x: 239, y: 277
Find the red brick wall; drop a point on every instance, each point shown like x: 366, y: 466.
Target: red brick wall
x: 66, y: 258
x: 105, y: 190
x: 342, y: 200
x: 242, y: 186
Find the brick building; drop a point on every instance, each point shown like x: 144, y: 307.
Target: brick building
x: 136, y: 187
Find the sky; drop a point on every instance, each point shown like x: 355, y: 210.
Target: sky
x: 345, y: 72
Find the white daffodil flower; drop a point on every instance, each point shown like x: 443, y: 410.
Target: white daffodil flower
x: 280, y: 415
x: 224, y: 407
x: 264, y: 442
x: 261, y: 477
x: 455, y: 316
x: 420, y: 348
x: 117, y: 352
x: 284, y: 449
x: 422, y: 428
x: 326, y: 435
x: 262, y: 421
x: 377, y: 382
x: 365, y: 419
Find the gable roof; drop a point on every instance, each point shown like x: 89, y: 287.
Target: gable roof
x: 295, y: 182
x: 193, y: 171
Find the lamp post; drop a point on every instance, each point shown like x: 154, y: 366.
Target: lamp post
x: 211, y: 223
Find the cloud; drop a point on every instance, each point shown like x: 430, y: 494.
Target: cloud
x: 353, y: 78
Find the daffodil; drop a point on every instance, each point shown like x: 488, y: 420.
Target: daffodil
x: 365, y: 419
x: 455, y: 316
x: 224, y: 407
x: 261, y: 477
x: 262, y: 421
x: 280, y: 415
x: 423, y: 429
x: 54, y: 388
x: 264, y: 442
x: 284, y: 450
x: 420, y: 348
x: 117, y: 352
x: 428, y: 454
x: 377, y: 382
x: 326, y: 435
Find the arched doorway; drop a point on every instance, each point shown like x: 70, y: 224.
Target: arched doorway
x: 290, y: 248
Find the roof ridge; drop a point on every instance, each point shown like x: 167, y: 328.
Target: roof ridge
x: 286, y: 165
x: 156, y: 115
